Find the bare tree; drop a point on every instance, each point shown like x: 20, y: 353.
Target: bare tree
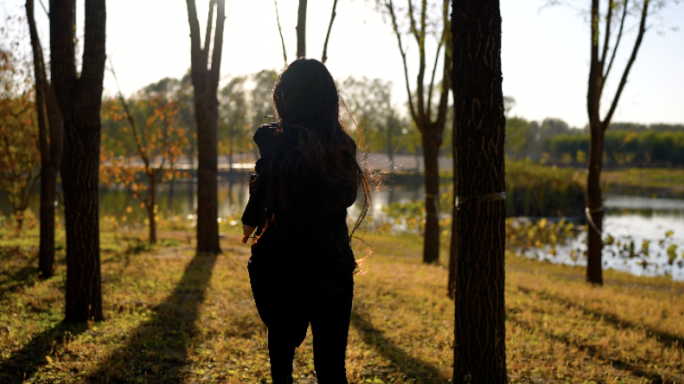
x: 430, y: 123
x: 50, y: 131
x: 205, y: 80
x: 600, y: 67
x: 479, y: 328
x: 301, y: 30
x: 79, y: 96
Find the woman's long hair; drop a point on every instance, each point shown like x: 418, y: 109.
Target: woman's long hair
x: 307, y: 104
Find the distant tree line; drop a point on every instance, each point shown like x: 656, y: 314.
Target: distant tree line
x: 245, y: 104
x: 625, y: 144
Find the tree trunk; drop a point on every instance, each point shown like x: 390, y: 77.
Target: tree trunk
x: 431, y: 239
x: 50, y: 145
x: 172, y: 183
x: 207, y: 173
x: 79, y: 97
x: 390, y: 150
x: 80, y: 180
x: 46, y: 250
x: 150, y: 210
x: 205, y: 83
x: 453, y: 251
x: 479, y: 329
x: 595, y: 207
x: 301, y: 29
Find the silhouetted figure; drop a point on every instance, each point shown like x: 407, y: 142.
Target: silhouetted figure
x: 302, y: 264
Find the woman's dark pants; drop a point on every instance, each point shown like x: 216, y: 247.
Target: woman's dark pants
x: 287, y: 308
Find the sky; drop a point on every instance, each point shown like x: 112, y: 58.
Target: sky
x: 545, y: 51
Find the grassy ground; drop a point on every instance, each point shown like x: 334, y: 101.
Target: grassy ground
x: 173, y: 317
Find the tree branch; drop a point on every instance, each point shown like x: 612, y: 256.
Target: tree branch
x: 390, y: 8
x: 420, y: 86
x: 617, y: 42
x: 131, y: 122
x: 593, y: 96
x: 301, y: 29
x: 195, y: 44
x: 444, y: 96
x: 218, y: 46
x: 632, y: 58
x: 327, y: 36
x: 606, y: 41
x: 432, y: 80
x: 446, y: 77
x: 62, y: 50
x: 40, y: 86
x: 412, y: 19
x: 94, y: 56
x: 280, y: 31
x: 207, y: 35
x: 44, y: 9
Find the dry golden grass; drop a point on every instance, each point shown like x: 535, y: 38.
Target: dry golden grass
x: 176, y: 318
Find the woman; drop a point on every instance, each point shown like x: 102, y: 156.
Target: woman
x: 302, y: 265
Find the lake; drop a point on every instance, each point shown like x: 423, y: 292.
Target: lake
x: 629, y: 220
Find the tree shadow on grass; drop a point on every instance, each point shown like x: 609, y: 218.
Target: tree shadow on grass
x: 618, y: 364
x: 407, y: 364
x: 157, y: 350
x: 20, y: 274
x: 665, y: 338
x: 24, y: 363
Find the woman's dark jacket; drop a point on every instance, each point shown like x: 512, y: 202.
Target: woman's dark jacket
x: 307, y: 242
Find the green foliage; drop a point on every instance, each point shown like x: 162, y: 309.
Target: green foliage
x: 536, y: 190
x: 369, y: 101
x: 624, y: 148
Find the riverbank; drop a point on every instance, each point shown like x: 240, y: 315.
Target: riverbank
x: 173, y: 317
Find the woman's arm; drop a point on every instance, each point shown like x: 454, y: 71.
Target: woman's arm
x: 253, y: 216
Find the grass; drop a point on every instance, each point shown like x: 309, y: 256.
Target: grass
x: 173, y: 317
x: 659, y: 181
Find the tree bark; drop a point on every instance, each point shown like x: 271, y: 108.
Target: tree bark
x: 50, y: 145
x: 301, y: 29
x: 595, y: 210
x: 79, y: 99
x: 205, y: 83
x: 431, y: 156
x: 479, y: 330
x: 453, y: 250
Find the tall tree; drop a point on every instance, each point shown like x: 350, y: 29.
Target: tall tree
x: 479, y: 329
x: 301, y: 29
x: 600, y: 66
x: 205, y: 81
x: 79, y: 96
x: 50, y: 144
x: 430, y: 123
